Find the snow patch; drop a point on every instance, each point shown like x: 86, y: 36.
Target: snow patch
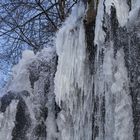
x: 20, y: 79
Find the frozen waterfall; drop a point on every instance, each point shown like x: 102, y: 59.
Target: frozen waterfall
x: 86, y: 89
x: 95, y: 106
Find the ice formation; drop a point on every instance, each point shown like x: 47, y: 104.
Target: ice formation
x: 27, y: 110
x: 73, y: 83
x: 76, y: 96
x: 106, y: 94
x: 71, y: 49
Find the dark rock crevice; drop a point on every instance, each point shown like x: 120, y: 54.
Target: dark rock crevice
x: 22, y: 122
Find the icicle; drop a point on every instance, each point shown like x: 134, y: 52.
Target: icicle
x: 71, y: 49
x: 73, y: 81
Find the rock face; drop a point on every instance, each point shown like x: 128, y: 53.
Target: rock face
x: 88, y: 89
